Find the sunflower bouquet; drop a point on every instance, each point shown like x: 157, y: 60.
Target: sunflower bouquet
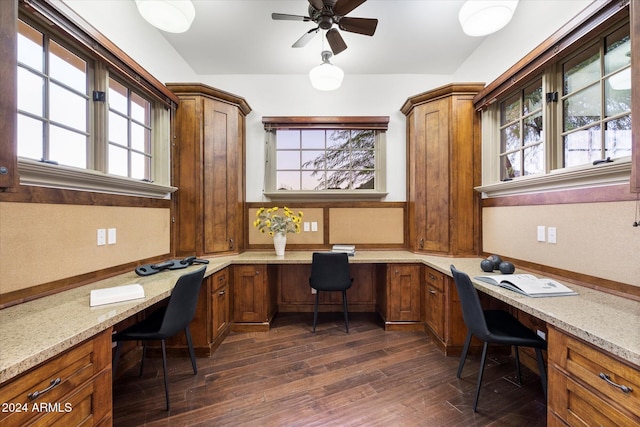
x: 272, y: 221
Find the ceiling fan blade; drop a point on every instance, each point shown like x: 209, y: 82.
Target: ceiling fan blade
x: 335, y: 41
x: 342, y: 7
x: 364, y: 26
x: 316, y: 4
x: 286, y: 17
x: 302, y: 41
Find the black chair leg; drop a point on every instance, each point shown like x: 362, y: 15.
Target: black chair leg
x: 543, y: 371
x: 344, y: 306
x: 463, y: 356
x: 192, y: 354
x: 116, y: 358
x: 517, y: 356
x: 315, y: 311
x: 166, y: 376
x: 144, y: 353
x: 484, y: 358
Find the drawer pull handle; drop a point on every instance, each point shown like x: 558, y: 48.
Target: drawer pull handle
x: 432, y: 277
x: 36, y: 394
x: 623, y: 388
x: 221, y: 293
x: 432, y: 292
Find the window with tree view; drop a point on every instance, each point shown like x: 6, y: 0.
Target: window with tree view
x: 331, y: 155
x: 313, y: 159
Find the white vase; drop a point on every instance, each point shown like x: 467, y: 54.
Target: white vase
x: 279, y: 242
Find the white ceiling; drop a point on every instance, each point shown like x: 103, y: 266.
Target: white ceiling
x: 239, y: 37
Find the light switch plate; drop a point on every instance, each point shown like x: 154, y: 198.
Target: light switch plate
x: 111, y: 236
x: 541, y: 233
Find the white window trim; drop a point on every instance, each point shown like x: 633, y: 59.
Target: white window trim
x: 42, y: 174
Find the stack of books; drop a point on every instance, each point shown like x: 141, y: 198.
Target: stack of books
x: 347, y: 249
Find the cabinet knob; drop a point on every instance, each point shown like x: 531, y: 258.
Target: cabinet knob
x: 432, y: 292
x: 421, y: 243
x: 257, y: 272
x: 221, y: 293
x: 231, y: 244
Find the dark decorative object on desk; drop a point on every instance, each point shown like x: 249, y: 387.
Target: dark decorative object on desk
x: 506, y: 267
x: 486, y: 265
x: 496, y: 261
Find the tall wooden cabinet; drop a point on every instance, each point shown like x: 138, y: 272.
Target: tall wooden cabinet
x: 208, y: 169
x: 443, y: 166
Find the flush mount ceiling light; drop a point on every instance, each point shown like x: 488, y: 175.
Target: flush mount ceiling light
x: 482, y: 17
x: 326, y: 76
x: 172, y: 16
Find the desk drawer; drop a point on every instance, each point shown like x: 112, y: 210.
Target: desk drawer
x: 584, y: 367
x: 434, y: 278
x: 54, y: 388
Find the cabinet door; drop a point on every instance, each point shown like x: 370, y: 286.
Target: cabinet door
x: 221, y: 163
x: 434, y: 301
x: 219, y: 303
x: 436, y: 145
x: 250, y: 294
x: 403, y: 293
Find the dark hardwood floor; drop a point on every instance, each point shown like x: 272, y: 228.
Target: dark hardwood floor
x: 291, y: 377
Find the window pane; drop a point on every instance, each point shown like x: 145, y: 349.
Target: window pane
x: 510, y: 165
x: 67, y: 67
x: 582, y: 109
x: 30, y: 92
x: 118, y: 97
x: 140, y: 138
x: 510, y: 138
x: 533, y: 129
x: 362, y: 159
x: 30, y: 47
x: 30, y: 138
x: 67, y: 108
x: 288, y: 159
x: 337, y: 138
x: 117, y: 129
x: 140, y: 166
x: 364, y: 180
x: 288, y: 139
x: 510, y: 110
x: 288, y: 180
x: 140, y: 109
x: 534, y: 159
x: 312, y: 181
x: 582, y: 147
x: 532, y: 99
x: 338, y: 180
x: 581, y: 71
x: 338, y: 159
x: 313, y: 139
x: 118, y: 161
x: 312, y: 159
x: 617, y: 137
x: 617, y: 51
x: 618, y: 93
x: 67, y: 148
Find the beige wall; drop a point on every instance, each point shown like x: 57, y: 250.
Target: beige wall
x: 592, y: 238
x: 41, y: 243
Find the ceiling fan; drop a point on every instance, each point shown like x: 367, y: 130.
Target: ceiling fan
x: 326, y: 13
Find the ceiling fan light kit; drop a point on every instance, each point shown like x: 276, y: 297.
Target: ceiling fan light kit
x: 326, y: 76
x: 481, y: 17
x: 172, y: 16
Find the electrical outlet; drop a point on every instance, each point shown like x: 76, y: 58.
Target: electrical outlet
x: 306, y: 226
x: 551, y: 235
x: 541, y: 233
x: 314, y: 226
x: 102, y: 237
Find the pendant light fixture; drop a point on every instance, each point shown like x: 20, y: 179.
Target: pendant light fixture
x: 172, y: 16
x: 482, y: 17
x: 326, y: 76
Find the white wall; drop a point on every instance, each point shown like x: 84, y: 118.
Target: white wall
x: 360, y: 95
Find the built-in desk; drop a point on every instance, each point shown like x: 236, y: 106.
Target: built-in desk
x: 37, y: 331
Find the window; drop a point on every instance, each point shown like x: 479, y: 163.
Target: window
x: 87, y: 119
x: 325, y: 156
x: 567, y: 119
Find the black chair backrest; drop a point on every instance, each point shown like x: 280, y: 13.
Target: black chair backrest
x: 182, y: 303
x: 330, y: 271
x: 471, y: 308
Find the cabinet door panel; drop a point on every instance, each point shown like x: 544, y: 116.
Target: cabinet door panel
x: 403, y: 286
x: 249, y: 294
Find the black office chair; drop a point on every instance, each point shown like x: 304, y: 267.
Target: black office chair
x: 494, y: 326
x: 330, y: 273
x: 166, y: 322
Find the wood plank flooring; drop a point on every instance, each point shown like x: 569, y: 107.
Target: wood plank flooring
x: 291, y: 377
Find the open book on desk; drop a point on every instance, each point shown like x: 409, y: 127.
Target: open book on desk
x: 528, y: 284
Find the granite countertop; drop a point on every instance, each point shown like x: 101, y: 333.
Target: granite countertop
x: 35, y: 331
